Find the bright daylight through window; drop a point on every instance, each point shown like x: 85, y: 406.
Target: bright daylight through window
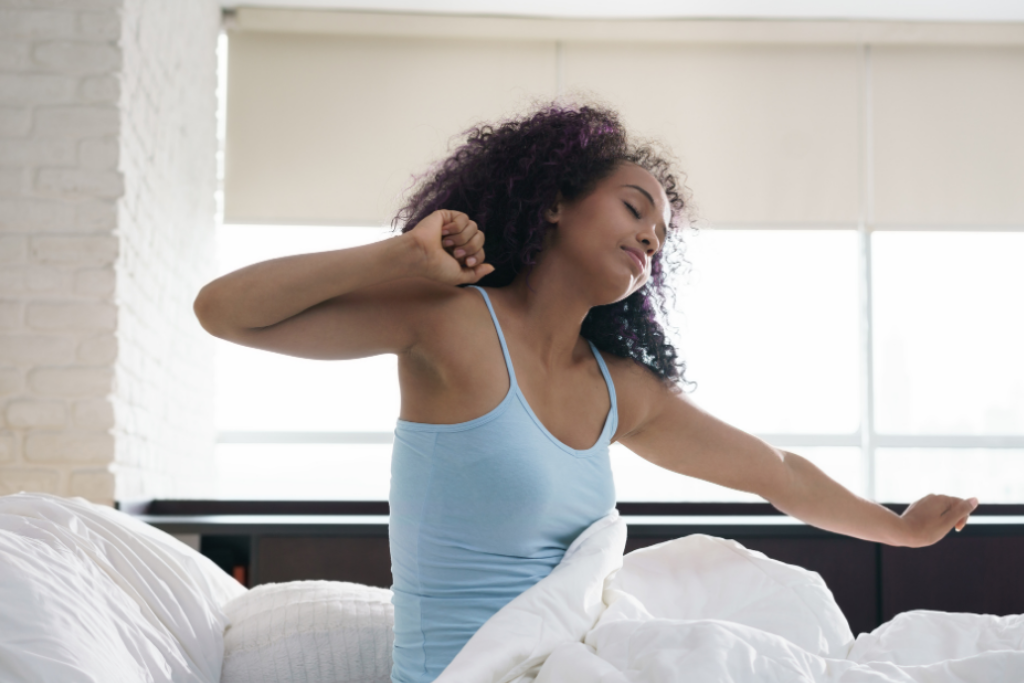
x: 768, y: 323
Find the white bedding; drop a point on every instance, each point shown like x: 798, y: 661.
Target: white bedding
x: 309, y: 632
x: 90, y: 595
x: 708, y: 610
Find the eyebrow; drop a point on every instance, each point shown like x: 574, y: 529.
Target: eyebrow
x: 650, y: 199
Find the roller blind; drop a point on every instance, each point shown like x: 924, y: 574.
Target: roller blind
x: 948, y: 135
x: 774, y: 125
x: 331, y: 129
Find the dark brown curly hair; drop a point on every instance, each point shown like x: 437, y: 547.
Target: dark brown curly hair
x: 505, y: 175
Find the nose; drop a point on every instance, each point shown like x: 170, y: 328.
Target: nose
x: 650, y: 241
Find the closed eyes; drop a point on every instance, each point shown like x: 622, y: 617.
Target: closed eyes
x: 636, y: 214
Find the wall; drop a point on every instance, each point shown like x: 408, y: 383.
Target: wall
x: 107, y: 180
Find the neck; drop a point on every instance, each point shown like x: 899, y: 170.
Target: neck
x: 549, y: 313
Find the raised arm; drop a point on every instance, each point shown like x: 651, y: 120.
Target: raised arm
x: 674, y: 433
x: 348, y: 303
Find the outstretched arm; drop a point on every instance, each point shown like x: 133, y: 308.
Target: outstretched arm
x: 676, y: 434
x: 819, y: 500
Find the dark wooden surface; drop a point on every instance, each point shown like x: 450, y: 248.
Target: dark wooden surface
x: 331, y: 558
x: 969, y: 574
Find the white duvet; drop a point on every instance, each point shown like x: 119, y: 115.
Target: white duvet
x: 708, y: 610
x: 91, y: 595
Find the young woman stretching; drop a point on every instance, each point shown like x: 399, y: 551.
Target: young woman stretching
x: 520, y: 363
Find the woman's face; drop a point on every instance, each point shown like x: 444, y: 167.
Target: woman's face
x: 611, y: 235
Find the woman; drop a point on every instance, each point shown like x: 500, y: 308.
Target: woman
x: 520, y: 363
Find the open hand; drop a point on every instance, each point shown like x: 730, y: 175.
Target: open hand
x: 453, y: 247
x: 929, y: 519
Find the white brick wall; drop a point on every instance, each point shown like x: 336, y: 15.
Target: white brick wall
x: 107, y: 180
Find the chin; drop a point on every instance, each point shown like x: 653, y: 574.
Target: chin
x: 612, y: 287
x: 615, y: 297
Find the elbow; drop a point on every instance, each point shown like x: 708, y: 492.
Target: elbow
x: 204, y: 308
x: 784, y: 485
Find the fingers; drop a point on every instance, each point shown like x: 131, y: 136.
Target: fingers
x: 474, y: 259
x: 458, y: 231
x: 465, y: 243
x: 480, y: 271
x: 449, y: 216
x: 463, y: 239
x: 965, y: 508
x: 472, y: 248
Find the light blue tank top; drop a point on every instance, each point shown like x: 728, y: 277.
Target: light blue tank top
x: 480, y: 511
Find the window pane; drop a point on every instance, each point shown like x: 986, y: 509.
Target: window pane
x: 303, y: 471
x: 907, y: 474
x: 769, y: 325
x: 260, y: 390
x: 242, y: 245
x: 639, y: 480
x: 948, y: 332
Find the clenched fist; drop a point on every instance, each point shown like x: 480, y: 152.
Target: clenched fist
x: 452, y: 246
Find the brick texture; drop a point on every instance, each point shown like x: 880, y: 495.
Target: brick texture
x: 107, y: 210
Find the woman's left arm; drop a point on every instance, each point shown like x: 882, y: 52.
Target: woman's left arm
x: 674, y: 433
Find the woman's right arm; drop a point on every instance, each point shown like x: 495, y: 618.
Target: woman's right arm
x: 349, y: 303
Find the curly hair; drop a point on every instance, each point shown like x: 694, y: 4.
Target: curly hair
x: 504, y: 176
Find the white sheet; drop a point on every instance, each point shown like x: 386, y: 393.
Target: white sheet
x: 706, y: 609
x: 90, y: 594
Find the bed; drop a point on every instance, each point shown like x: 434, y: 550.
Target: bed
x: 91, y: 594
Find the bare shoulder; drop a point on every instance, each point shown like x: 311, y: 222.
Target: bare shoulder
x: 447, y: 319
x: 456, y: 366
x: 441, y: 315
x: 638, y: 391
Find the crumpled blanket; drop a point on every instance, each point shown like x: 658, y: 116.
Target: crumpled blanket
x: 91, y: 595
x: 708, y: 610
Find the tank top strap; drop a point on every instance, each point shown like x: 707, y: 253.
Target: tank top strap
x: 613, y: 423
x: 501, y: 336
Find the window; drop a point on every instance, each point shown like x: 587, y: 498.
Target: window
x: 770, y: 325
x: 890, y: 358
x: 949, y: 333
x: 293, y: 428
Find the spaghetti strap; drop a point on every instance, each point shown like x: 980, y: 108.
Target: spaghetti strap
x: 610, y: 424
x: 613, y: 424
x: 501, y: 337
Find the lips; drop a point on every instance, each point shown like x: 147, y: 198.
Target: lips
x: 638, y: 258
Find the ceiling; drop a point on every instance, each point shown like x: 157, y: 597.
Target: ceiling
x: 889, y: 10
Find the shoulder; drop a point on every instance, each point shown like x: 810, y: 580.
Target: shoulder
x: 437, y: 306
x: 446, y: 315
x: 638, y: 390
x: 455, y: 307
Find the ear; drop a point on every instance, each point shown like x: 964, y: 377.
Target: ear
x: 554, y: 212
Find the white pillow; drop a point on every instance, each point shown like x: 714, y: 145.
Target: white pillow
x: 309, y: 631
x: 91, y: 594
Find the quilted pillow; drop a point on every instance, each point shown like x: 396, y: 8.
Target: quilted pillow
x: 309, y: 631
